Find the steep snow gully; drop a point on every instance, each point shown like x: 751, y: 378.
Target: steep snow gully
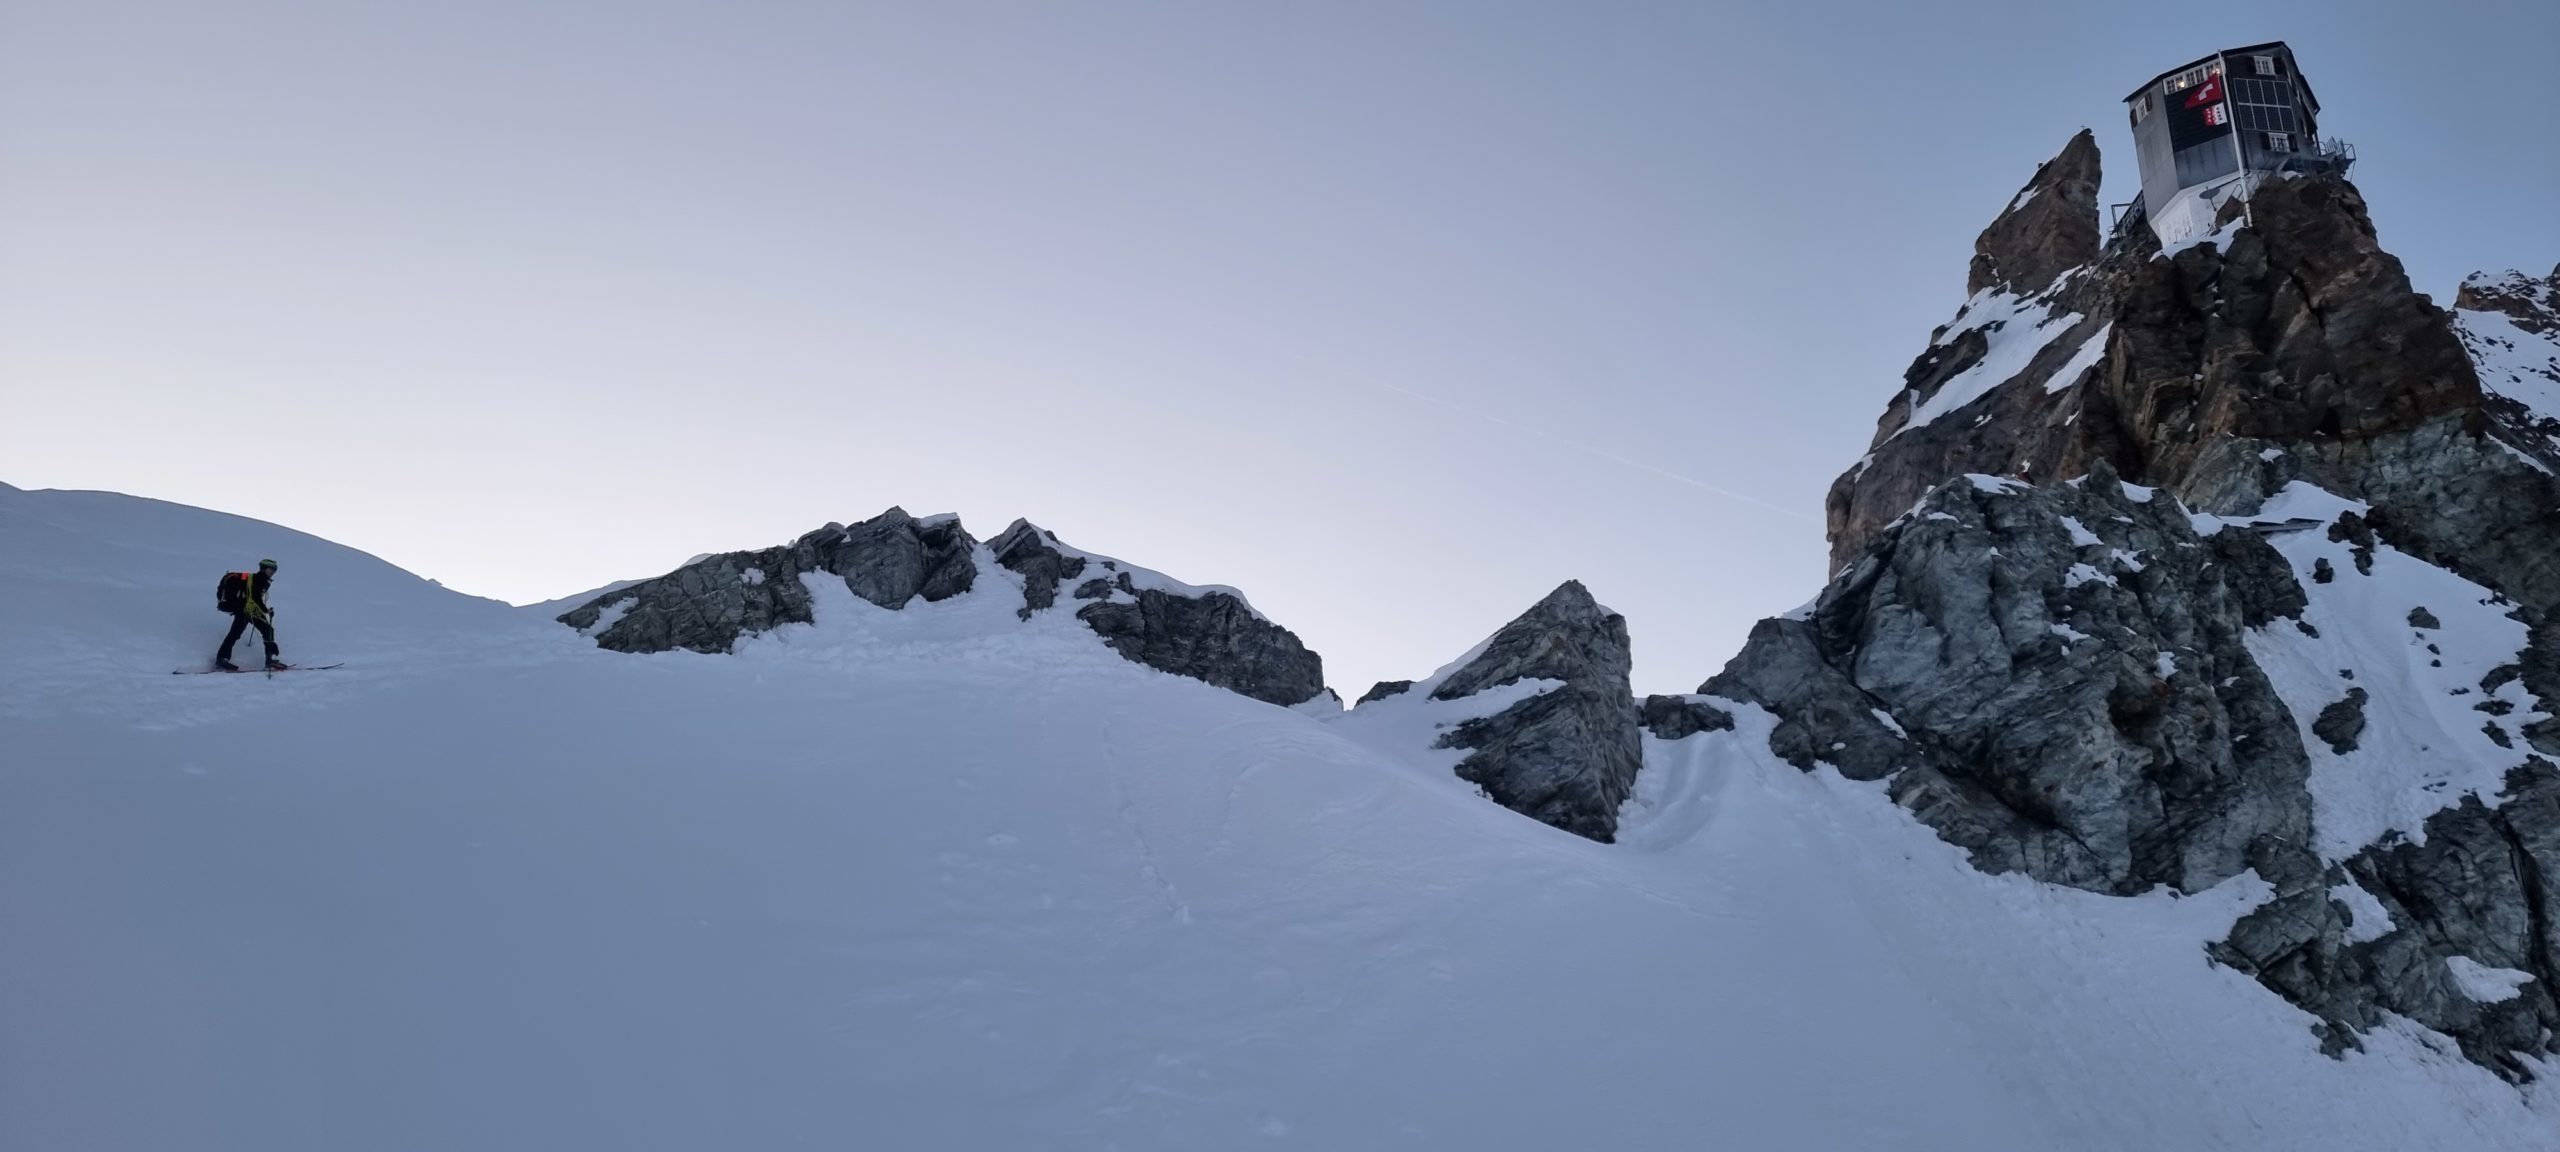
x: 2163, y: 768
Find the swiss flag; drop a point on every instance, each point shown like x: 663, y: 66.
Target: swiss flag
x: 2207, y: 92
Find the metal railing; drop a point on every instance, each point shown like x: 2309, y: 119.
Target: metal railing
x: 2330, y: 155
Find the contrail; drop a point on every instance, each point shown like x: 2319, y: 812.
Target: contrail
x: 1595, y: 450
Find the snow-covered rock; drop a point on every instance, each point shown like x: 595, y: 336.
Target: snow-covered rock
x: 1539, y: 716
x: 2510, y: 323
x: 2315, y: 645
x: 1206, y: 633
x: 709, y: 603
x: 2029, y: 716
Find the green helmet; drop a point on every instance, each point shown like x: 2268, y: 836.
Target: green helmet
x: 267, y: 564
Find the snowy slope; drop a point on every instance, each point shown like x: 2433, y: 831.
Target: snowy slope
x: 2422, y: 644
x: 2510, y: 324
x: 942, y: 878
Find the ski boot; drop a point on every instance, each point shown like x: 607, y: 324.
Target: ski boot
x: 223, y: 665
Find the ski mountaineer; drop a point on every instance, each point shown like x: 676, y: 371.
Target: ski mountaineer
x: 244, y: 596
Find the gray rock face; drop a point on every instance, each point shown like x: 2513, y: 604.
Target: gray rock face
x: 1213, y: 638
x: 2341, y: 724
x: 2533, y: 305
x: 2476, y: 893
x: 2050, y: 226
x: 1027, y: 549
x: 2304, y: 337
x: 1568, y: 756
x: 893, y: 559
x: 2510, y: 323
x: 1679, y: 717
x: 2082, y: 710
x: 705, y: 606
x: 1384, y: 689
x: 2296, y: 350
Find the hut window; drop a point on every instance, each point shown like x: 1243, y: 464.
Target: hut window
x: 2279, y: 141
x: 2266, y: 65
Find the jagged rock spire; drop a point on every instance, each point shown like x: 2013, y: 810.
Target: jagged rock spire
x: 2050, y: 227
x: 1567, y: 756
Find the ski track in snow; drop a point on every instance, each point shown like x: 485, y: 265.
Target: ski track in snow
x: 940, y: 878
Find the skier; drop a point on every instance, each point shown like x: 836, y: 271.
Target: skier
x: 244, y: 596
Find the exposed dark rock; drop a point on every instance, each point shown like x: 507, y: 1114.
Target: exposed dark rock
x: 1213, y: 637
x: 2293, y: 350
x: 1567, y: 756
x: 2539, y: 667
x: 705, y: 606
x: 893, y: 559
x: 2258, y: 575
x: 2352, y: 531
x: 1823, y: 716
x: 2477, y: 891
x: 2103, y: 727
x: 2419, y: 617
x: 2303, y: 339
x: 1677, y: 717
x: 1384, y: 689
x: 2510, y: 322
x: 1027, y: 549
x: 2050, y: 226
x: 2341, y: 724
x: 2530, y: 304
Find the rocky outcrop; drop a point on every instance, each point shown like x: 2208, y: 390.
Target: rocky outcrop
x: 2294, y: 348
x: 705, y: 606
x: 1213, y: 637
x: 2341, y: 724
x: 1206, y: 634
x: 2058, y: 676
x: 2054, y: 678
x: 1680, y: 717
x: 2530, y: 304
x: 2456, y: 932
x: 1384, y: 689
x: 2049, y: 228
x: 1033, y: 553
x: 1568, y: 755
x: 2510, y: 323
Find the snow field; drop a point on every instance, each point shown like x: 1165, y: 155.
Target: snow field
x: 943, y: 878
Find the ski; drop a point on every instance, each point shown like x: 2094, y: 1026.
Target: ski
x: 244, y: 671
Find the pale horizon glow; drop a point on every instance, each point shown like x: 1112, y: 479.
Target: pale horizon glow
x: 1393, y: 318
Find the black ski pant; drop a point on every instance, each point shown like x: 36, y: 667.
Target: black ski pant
x: 240, y: 622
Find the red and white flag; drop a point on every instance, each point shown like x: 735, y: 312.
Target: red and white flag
x: 2206, y: 93
x: 2218, y: 115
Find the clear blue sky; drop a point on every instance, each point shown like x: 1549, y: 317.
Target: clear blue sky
x: 1393, y: 315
